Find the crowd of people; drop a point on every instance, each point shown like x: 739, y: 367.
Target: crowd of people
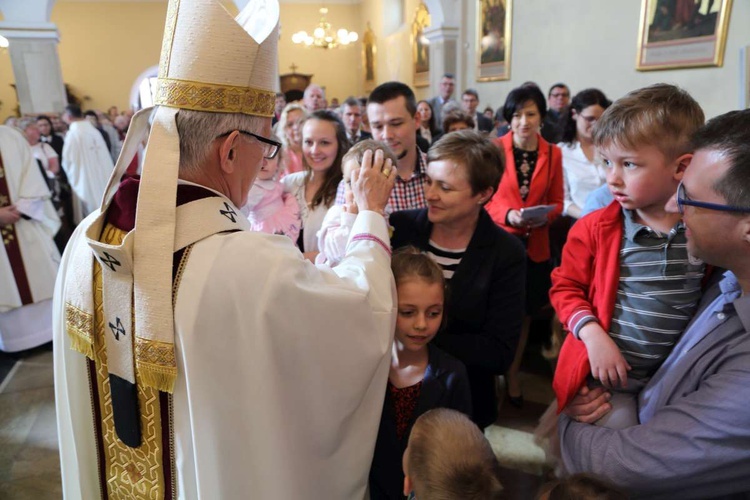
x: 627, y: 220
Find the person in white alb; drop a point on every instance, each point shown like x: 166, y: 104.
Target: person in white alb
x: 194, y: 358
x: 28, y: 256
x: 86, y: 161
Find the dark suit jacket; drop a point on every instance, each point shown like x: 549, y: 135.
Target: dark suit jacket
x: 484, y: 304
x: 437, y: 109
x: 445, y: 385
x: 484, y: 124
x: 362, y: 136
x: 422, y: 143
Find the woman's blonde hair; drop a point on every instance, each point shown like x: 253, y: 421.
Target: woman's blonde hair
x: 283, y: 120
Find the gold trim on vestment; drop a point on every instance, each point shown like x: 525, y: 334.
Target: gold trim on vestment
x: 79, y: 325
x: 156, y: 363
x: 129, y: 472
x: 200, y: 96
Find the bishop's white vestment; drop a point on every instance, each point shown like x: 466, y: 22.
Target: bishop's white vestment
x: 281, y: 374
x: 28, y: 256
x: 87, y: 163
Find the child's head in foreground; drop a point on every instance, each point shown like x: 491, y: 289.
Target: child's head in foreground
x: 448, y: 458
x: 353, y: 158
x: 581, y: 487
x: 643, y: 140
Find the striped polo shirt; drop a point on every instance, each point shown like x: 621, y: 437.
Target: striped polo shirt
x: 448, y: 260
x: 658, y: 292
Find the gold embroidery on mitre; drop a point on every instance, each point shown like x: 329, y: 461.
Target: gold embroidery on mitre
x: 199, y: 96
x: 79, y: 325
x: 129, y: 472
x: 166, y: 44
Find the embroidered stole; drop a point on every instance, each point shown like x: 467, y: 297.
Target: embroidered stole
x: 12, y: 247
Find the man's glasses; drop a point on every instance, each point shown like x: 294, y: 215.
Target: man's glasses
x: 270, y: 147
x: 559, y: 94
x: 683, y: 200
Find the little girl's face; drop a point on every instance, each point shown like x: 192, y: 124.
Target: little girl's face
x: 268, y: 169
x: 420, y: 312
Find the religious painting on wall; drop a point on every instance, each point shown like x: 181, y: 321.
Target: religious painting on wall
x: 421, y: 46
x: 682, y: 33
x: 493, y: 46
x: 369, y: 52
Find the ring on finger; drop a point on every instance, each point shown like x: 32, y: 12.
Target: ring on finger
x: 386, y: 171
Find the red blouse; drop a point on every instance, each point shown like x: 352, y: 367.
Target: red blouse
x: 404, y: 403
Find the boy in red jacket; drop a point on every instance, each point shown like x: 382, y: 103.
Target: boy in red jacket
x: 627, y: 288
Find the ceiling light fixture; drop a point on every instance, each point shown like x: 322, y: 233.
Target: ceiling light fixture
x: 324, y: 35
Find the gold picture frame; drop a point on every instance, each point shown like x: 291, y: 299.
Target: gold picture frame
x: 369, y: 57
x: 420, y: 46
x: 494, y: 21
x: 682, y: 34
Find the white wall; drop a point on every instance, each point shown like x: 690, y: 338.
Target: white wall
x: 593, y: 43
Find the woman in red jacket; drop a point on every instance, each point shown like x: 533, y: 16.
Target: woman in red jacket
x: 533, y: 176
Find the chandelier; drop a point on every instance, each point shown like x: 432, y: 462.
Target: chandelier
x: 324, y: 36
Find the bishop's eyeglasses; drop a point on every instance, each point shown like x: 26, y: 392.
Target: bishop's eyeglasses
x: 683, y: 200
x: 270, y: 147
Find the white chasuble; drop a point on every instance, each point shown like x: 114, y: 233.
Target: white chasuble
x: 87, y: 163
x: 282, y: 368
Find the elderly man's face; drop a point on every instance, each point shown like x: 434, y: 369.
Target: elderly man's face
x: 250, y: 154
x: 713, y: 236
x: 314, y: 99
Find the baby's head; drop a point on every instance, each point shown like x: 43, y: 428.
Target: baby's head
x: 269, y: 168
x: 448, y: 458
x: 353, y: 158
x: 420, y: 290
x: 644, y: 139
x: 580, y: 487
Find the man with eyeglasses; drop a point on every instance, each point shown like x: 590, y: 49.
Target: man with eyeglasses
x: 195, y: 358
x: 693, y: 439
x: 558, y: 100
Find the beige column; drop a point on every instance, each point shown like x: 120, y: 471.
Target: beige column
x: 444, y: 51
x: 33, y: 54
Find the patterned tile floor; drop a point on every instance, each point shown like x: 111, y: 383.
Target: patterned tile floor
x: 29, y: 460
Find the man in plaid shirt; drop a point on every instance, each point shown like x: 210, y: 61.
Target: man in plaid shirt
x: 392, y: 111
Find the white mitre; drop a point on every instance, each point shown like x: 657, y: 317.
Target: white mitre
x: 209, y: 62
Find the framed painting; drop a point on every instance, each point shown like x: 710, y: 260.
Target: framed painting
x: 493, y: 44
x: 369, y: 50
x: 682, y: 33
x: 421, y: 46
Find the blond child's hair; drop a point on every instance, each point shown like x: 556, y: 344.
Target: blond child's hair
x: 357, y: 151
x: 663, y: 116
x: 448, y: 458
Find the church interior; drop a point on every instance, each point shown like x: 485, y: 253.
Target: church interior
x: 104, y: 53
